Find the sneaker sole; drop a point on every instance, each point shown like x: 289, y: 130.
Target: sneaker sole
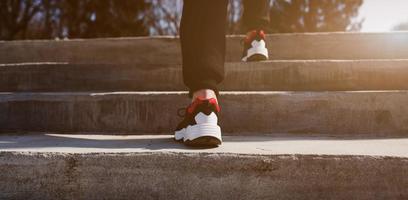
x: 205, y: 141
x: 257, y: 58
x: 204, y: 135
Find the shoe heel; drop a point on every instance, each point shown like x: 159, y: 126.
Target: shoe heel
x: 203, y: 130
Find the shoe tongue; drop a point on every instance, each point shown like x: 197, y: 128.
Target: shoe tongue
x: 255, y: 35
x: 214, y: 102
x: 200, y: 101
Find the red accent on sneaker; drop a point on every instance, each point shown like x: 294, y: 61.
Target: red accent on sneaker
x: 262, y: 34
x: 253, y: 34
x: 199, y: 101
x: 215, y: 103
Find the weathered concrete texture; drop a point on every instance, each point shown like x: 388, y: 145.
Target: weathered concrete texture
x: 90, y: 77
x: 260, y: 145
x: 117, y: 173
x: 142, y: 50
x: 147, y: 50
x: 306, y: 75
x: 340, y: 113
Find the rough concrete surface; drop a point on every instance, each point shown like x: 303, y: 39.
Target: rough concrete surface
x: 277, y: 75
x: 147, y: 50
x: 381, y: 113
x: 136, y: 167
x: 260, y: 145
x: 368, y: 158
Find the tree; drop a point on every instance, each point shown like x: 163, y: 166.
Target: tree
x: 47, y: 19
x: 163, y: 17
x: 235, y: 10
x: 15, y: 16
x: 315, y: 16
x: 101, y: 18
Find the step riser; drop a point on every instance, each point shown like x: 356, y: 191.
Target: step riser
x: 147, y: 50
x: 57, y: 78
x: 108, y: 51
x: 266, y: 76
x: 184, y: 176
x: 335, y: 113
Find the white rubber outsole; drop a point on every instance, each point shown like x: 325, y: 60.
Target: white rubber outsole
x: 197, y: 131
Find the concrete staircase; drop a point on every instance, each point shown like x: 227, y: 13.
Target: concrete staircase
x: 326, y: 118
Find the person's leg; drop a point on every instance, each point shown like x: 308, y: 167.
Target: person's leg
x: 256, y: 15
x: 202, y: 33
x: 255, y: 21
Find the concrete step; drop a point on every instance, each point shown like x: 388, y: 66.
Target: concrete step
x: 147, y: 50
x: 154, y: 167
x: 370, y: 113
x: 283, y: 75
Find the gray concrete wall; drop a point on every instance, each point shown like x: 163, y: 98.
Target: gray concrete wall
x: 284, y: 75
x: 200, y: 176
x: 379, y: 113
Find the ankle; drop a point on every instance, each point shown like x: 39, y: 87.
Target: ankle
x: 204, y: 94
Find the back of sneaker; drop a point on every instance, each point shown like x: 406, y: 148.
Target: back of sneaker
x: 200, y: 125
x: 255, y: 47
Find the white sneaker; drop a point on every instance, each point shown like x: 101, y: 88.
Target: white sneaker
x: 255, y: 47
x: 200, y: 127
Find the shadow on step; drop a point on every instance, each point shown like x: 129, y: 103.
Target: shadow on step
x: 88, y: 141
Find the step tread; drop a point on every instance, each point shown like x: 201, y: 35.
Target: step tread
x: 147, y: 49
x: 154, y: 167
x: 91, y: 93
x: 74, y: 96
x: 251, y: 145
x: 56, y: 63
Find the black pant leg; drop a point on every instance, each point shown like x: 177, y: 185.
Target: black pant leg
x: 202, y: 34
x: 256, y: 14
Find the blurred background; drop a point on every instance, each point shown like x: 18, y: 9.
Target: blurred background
x: 51, y: 19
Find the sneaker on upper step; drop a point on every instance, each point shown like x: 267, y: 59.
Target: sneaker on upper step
x: 199, y: 127
x: 255, y: 47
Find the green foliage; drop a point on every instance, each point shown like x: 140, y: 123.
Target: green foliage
x: 315, y: 15
x: 47, y: 19
x: 15, y: 16
x: 101, y: 18
x: 39, y: 19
